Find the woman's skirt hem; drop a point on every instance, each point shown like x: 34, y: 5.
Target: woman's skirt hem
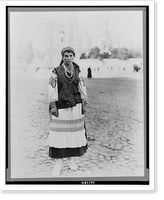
x: 67, y: 152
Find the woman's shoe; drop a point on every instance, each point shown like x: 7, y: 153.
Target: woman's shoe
x: 57, y: 169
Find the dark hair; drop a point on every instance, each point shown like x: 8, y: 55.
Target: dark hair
x: 61, y: 62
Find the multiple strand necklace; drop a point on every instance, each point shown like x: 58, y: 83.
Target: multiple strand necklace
x: 69, y: 71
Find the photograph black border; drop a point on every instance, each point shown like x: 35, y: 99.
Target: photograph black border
x: 83, y: 181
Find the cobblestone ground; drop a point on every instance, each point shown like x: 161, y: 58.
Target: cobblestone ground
x: 114, y: 122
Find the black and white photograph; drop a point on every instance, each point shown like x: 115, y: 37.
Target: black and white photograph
x: 77, y: 94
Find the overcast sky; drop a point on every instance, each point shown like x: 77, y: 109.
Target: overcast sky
x: 124, y: 26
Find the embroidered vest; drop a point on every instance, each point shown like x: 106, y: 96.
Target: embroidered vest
x: 68, y: 94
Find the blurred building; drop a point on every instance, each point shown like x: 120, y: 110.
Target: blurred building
x: 62, y: 33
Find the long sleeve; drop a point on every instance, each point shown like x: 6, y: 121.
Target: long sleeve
x: 82, y: 88
x: 53, y: 88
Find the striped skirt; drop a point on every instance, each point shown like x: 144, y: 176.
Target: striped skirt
x: 67, y: 134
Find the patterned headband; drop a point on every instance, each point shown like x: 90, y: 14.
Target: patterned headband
x: 68, y: 49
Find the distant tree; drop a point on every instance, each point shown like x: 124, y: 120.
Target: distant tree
x: 94, y: 53
x: 38, y: 54
x: 123, y: 53
x: 114, y: 53
x: 105, y: 55
x: 134, y: 53
x: 83, y: 56
x: 29, y: 53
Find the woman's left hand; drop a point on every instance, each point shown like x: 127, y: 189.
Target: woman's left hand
x: 84, y: 103
x: 83, y: 109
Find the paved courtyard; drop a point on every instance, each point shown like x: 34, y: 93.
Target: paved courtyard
x: 114, y: 121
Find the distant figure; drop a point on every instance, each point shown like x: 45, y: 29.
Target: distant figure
x: 97, y: 69
x: 37, y: 69
x: 136, y: 68
x: 89, y: 73
x: 124, y: 68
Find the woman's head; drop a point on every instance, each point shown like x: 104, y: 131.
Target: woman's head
x: 68, y: 55
x: 68, y: 50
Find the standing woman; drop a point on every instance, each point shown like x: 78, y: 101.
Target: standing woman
x: 89, y: 73
x: 67, y: 105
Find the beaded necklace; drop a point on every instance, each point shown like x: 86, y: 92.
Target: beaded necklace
x: 69, y: 70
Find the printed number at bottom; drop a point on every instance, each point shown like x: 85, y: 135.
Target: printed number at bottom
x: 87, y: 182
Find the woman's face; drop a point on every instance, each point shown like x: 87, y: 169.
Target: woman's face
x: 68, y: 58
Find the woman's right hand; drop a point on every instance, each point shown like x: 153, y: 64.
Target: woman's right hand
x: 84, y: 103
x: 54, y: 111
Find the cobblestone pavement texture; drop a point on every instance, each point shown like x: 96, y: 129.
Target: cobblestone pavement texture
x: 114, y: 122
